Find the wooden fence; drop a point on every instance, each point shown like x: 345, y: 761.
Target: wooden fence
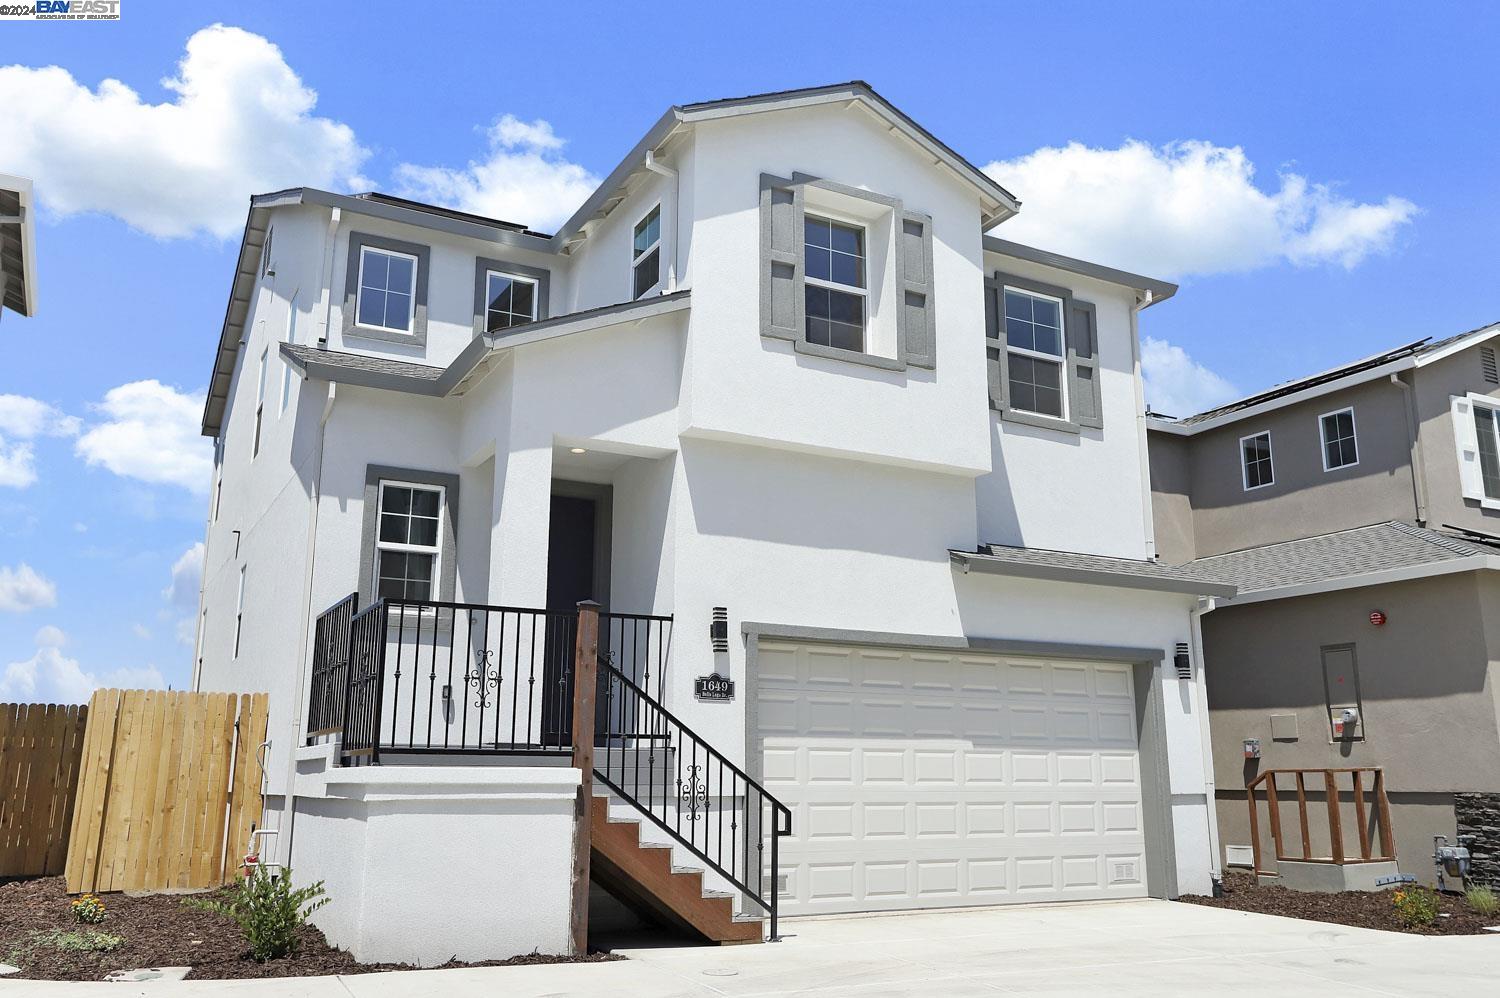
x: 169, y: 792
x: 40, y: 746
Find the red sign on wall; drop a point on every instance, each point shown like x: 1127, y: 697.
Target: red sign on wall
x: 1377, y: 617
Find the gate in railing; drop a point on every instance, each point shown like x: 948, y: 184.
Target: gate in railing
x: 330, y: 664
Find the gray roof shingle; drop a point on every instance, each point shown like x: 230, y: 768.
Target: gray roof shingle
x: 1094, y: 569
x: 1340, y: 555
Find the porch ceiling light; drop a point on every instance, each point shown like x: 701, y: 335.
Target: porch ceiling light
x: 577, y: 450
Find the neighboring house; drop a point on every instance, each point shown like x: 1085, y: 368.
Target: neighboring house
x: 17, y: 246
x: 775, y: 401
x: 1373, y: 488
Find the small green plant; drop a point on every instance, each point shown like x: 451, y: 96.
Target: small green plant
x: 1482, y: 901
x: 82, y: 941
x: 88, y: 909
x: 1415, y: 905
x: 267, y: 910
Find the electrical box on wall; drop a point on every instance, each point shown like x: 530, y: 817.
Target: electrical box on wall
x: 1345, y: 720
x: 1252, y: 748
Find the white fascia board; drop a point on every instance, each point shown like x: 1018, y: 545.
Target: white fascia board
x: 1458, y: 346
x: 1270, y: 405
x: 1407, y: 573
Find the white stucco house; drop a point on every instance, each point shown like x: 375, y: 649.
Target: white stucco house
x: 860, y: 489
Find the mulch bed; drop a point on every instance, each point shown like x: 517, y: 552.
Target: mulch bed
x: 1365, y: 909
x: 158, y: 930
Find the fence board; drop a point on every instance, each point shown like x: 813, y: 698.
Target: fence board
x: 170, y: 785
x: 40, y: 745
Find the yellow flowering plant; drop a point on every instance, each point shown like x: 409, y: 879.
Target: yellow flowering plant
x: 88, y: 909
x: 1415, y: 905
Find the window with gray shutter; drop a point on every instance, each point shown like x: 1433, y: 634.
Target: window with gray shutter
x: 1042, y: 354
x: 784, y: 276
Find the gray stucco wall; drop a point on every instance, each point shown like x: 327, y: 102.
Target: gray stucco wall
x: 1427, y: 681
x: 1433, y: 386
x: 1171, y: 497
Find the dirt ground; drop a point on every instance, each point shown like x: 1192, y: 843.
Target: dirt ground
x: 158, y: 931
x: 1369, y: 910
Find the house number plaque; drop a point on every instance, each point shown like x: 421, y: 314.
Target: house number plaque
x: 713, y: 687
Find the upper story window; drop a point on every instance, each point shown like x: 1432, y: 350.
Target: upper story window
x: 836, y: 292
x: 1034, y: 344
x: 286, y: 367
x: 1255, y: 460
x: 645, y: 266
x: 1339, y: 447
x: 510, y: 300
x: 387, y: 290
x: 1487, y: 434
x: 407, y: 541
x: 260, y: 400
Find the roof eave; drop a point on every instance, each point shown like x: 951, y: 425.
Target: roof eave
x: 241, y: 289
x: 970, y: 561
x: 1159, y: 290
x: 1384, y: 576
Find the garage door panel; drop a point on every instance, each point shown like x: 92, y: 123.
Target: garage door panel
x: 936, y: 780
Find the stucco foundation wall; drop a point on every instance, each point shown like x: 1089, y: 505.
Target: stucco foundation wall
x: 426, y: 864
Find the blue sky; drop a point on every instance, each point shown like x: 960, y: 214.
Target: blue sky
x: 1318, y: 177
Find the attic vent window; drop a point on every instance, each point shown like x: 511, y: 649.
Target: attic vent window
x: 1487, y: 364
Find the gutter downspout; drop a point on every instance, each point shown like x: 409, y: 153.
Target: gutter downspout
x: 1206, y: 604
x: 299, y: 692
x: 1418, y: 461
x: 1143, y: 299
x: 671, y: 174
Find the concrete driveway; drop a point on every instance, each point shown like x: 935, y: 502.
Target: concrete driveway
x: 1113, y: 948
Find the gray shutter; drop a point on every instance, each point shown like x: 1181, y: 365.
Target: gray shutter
x: 994, y: 343
x: 918, y: 333
x: 1083, y: 365
x: 781, y: 294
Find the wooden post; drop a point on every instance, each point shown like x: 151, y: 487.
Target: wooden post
x: 1359, y: 815
x: 585, y: 689
x: 1335, y: 824
x: 1274, y: 807
x: 1254, y: 824
x: 1302, y: 815
x: 1383, y: 811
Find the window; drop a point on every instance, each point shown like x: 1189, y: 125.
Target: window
x: 239, y: 613
x: 260, y: 401
x: 646, y: 254
x: 510, y: 300
x: 286, y: 367
x: 1255, y: 459
x: 835, y: 283
x: 1487, y: 434
x: 407, y: 541
x: 265, y: 255
x: 1034, y: 348
x: 387, y: 290
x: 218, y: 478
x: 1339, y: 448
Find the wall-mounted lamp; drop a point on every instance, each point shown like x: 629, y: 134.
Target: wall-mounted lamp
x: 577, y: 450
x: 718, y: 629
x: 1183, y: 661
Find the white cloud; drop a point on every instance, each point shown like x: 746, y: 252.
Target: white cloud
x: 1176, y: 384
x: 141, y: 631
x: 22, y: 589
x: 182, y: 592
x: 49, y: 676
x: 150, y: 433
x: 1187, y: 208
x: 522, y: 179
x: 239, y: 122
x: 22, y: 420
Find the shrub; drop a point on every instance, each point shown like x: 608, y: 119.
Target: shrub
x: 88, y: 909
x: 1482, y: 901
x: 267, y: 910
x: 1416, y: 905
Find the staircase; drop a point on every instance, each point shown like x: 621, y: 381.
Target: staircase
x: 679, y: 832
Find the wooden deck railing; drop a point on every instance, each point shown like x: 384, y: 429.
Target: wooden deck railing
x: 1326, y: 780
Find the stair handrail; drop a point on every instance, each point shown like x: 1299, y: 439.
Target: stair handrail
x: 693, y: 786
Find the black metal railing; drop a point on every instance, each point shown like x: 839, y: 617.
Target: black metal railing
x: 330, y: 664
x: 690, y: 789
x: 434, y: 677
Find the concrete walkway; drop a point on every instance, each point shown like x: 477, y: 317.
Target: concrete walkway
x: 1115, y: 948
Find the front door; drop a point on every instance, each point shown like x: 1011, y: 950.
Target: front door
x: 573, y: 571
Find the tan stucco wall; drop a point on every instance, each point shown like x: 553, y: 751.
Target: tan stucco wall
x: 1171, y: 498
x: 1434, y: 386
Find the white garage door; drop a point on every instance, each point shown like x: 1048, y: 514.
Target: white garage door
x: 921, y: 780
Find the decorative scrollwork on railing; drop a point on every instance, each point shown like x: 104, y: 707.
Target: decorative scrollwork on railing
x: 483, y: 678
x: 693, y: 793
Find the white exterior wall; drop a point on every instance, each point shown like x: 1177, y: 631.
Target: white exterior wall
x: 792, y: 489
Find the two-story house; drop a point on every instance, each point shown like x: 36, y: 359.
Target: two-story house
x: 1358, y: 512
x: 862, y: 493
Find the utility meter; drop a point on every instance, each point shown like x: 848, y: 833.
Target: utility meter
x: 1345, y: 721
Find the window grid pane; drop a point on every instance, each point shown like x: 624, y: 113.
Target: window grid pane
x: 1339, y: 448
x: 647, y: 272
x: 386, y: 286
x: 1033, y: 323
x: 1035, y: 385
x: 1489, y: 450
x: 1256, y: 455
x: 511, y: 301
x: 409, y: 517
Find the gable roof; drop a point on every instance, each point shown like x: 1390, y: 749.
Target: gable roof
x: 1415, y: 354
x: 1360, y: 556
x: 17, y: 246
x: 1088, y: 569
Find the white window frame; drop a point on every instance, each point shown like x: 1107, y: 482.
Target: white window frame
x: 1245, y: 468
x: 1475, y: 400
x: 636, y: 258
x: 411, y: 297
x: 821, y: 214
x: 1323, y: 438
x: 1060, y: 359
x: 260, y: 401
x: 239, y: 613
x: 536, y: 291
x: 436, y: 550
x: 286, y: 365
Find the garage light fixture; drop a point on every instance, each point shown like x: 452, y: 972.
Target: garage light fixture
x: 577, y: 450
